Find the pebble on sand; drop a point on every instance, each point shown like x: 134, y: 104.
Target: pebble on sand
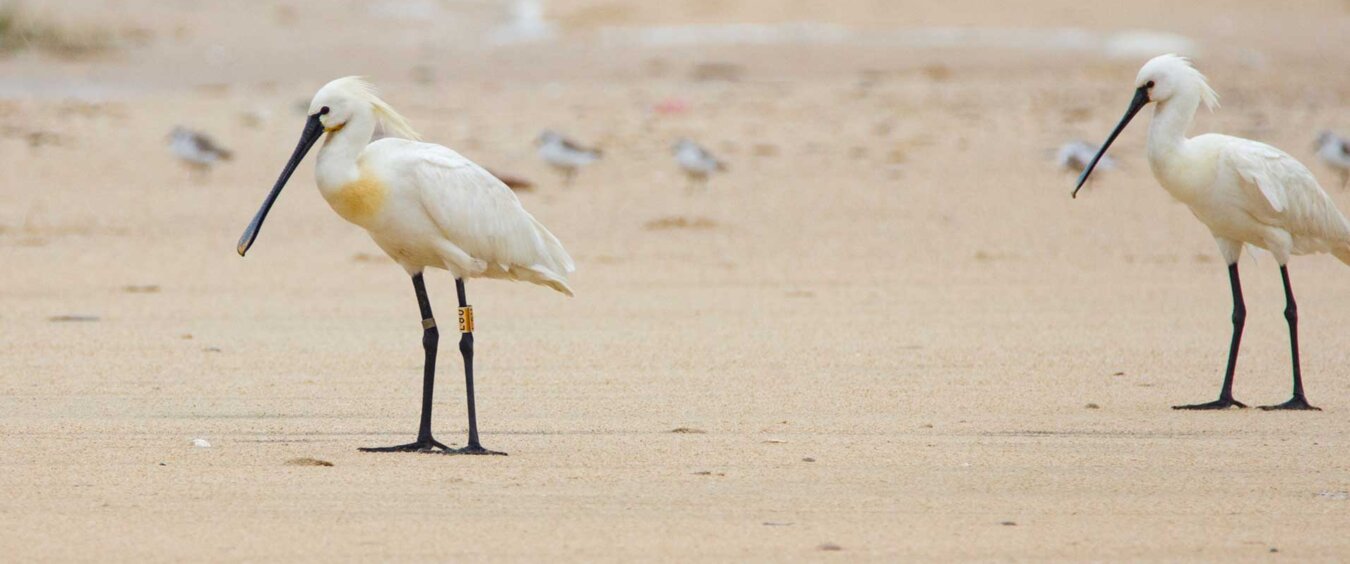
x: 201, y: 443
x: 72, y: 318
x: 679, y: 222
x: 307, y: 461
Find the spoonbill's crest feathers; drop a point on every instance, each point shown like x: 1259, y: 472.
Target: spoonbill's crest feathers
x: 1181, y: 74
x: 359, y: 88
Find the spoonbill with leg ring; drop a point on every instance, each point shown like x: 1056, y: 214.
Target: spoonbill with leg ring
x: 426, y: 207
x: 1245, y: 192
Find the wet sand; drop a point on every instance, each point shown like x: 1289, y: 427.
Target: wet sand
x: 888, y: 327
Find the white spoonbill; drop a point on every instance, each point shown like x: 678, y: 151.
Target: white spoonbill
x: 1245, y: 192
x: 425, y: 206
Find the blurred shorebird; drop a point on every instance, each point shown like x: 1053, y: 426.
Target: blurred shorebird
x: 1074, y: 157
x: 1335, y: 152
x: 197, y: 150
x: 697, y: 163
x: 565, y: 155
x: 1245, y: 192
x: 426, y: 207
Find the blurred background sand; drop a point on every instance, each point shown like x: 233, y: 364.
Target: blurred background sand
x: 895, y: 335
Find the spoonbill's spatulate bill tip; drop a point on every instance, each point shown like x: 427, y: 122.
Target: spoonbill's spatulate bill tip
x: 1141, y: 99
x: 310, y: 135
x: 1245, y: 192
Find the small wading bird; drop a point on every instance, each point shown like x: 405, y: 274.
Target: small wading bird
x: 1245, y: 192
x: 697, y: 163
x: 425, y: 206
x: 1335, y: 152
x: 565, y: 155
x: 198, y: 151
x: 1074, y: 157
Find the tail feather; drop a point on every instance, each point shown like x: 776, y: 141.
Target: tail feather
x: 561, y: 262
x: 1342, y: 252
x: 554, y: 264
x: 544, y: 277
x: 535, y: 274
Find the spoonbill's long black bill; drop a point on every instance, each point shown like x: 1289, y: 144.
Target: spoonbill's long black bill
x: 1140, y: 100
x: 313, y: 130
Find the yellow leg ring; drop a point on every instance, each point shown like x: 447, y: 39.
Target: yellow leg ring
x: 466, y: 319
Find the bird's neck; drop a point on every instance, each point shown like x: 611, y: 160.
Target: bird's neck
x: 337, y: 163
x: 1171, y: 120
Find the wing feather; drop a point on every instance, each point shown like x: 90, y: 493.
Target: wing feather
x: 1299, y: 204
x: 482, y: 216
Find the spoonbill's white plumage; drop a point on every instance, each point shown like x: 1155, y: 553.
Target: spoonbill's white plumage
x: 513, y: 181
x: 1245, y: 192
x: 1074, y: 156
x: 1334, y: 151
x: 196, y: 149
x: 426, y: 207
x: 697, y: 162
x: 565, y: 155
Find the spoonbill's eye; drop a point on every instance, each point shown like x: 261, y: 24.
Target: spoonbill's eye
x: 1149, y: 84
x: 324, y: 110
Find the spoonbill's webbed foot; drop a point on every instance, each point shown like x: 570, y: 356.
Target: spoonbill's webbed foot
x: 422, y: 445
x: 466, y: 350
x: 1221, y: 403
x: 1298, y: 403
x: 1226, y: 400
x: 430, y: 339
x: 475, y: 450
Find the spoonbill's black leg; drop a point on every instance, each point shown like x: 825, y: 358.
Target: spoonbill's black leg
x: 430, y: 338
x: 466, y: 349
x: 1239, y: 319
x: 1291, y: 314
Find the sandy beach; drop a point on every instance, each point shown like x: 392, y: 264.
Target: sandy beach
x: 885, y: 334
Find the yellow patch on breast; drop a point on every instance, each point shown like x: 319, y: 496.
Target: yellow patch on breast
x: 360, y: 200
